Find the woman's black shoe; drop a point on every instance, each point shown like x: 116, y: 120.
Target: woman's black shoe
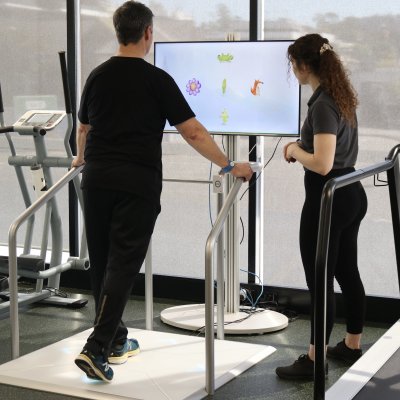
x: 302, y: 368
x: 344, y: 353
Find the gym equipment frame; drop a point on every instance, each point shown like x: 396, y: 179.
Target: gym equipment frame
x: 391, y: 166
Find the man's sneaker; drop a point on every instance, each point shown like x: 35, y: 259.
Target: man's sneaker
x: 95, y: 367
x: 344, y: 353
x: 302, y: 368
x: 120, y: 354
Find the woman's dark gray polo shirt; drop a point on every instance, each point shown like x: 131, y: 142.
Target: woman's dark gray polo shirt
x: 323, y: 116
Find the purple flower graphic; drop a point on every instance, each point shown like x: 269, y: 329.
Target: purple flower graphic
x: 193, y: 87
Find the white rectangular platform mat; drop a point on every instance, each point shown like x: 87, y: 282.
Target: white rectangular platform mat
x: 169, y: 366
x: 352, y: 381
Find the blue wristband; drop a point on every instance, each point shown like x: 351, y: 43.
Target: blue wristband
x: 228, y: 168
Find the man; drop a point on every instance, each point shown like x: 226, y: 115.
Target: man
x: 123, y: 110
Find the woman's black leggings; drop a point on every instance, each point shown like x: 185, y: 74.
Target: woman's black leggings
x: 349, y: 208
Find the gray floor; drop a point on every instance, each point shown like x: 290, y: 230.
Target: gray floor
x: 42, y: 325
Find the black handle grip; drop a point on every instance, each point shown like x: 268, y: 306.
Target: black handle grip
x: 39, y: 130
x: 1, y: 102
x: 67, y: 93
x: 6, y: 129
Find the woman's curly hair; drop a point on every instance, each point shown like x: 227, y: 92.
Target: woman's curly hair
x: 315, y: 52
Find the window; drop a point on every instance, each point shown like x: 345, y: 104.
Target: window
x: 32, y: 34
x: 184, y: 223
x: 364, y: 33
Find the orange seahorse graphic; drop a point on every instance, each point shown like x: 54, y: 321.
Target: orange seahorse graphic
x: 255, y: 90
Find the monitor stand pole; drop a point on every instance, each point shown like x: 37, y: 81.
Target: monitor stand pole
x: 192, y: 316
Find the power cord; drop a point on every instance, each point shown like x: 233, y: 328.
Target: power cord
x: 269, y: 160
x: 254, y: 303
x: 253, y: 183
x: 379, y: 182
x: 247, y: 311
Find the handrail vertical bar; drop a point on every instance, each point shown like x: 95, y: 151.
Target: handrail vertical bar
x: 13, y: 287
x: 12, y: 249
x: 209, y: 285
x: 391, y: 165
x: 321, y: 259
x: 148, y: 276
x: 220, y: 276
x: 209, y: 320
x: 393, y: 176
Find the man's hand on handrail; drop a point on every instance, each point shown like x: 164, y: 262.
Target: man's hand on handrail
x: 81, y: 136
x: 77, y: 162
x: 242, y: 170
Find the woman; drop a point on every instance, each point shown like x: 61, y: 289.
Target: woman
x: 328, y: 148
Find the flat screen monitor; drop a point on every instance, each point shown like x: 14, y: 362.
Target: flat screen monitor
x: 242, y: 88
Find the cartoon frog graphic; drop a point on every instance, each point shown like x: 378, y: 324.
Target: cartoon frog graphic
x: 225, y: 57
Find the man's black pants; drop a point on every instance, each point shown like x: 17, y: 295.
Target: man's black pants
x: 119, y: 226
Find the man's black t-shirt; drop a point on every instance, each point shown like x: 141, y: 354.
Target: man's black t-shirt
x: 127, y: 102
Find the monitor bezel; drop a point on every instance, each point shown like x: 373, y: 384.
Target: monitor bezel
x: 274, y: 134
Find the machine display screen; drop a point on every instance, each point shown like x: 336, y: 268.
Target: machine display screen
x: 39, y: 119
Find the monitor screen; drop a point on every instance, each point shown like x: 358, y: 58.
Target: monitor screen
x: 242, y: 88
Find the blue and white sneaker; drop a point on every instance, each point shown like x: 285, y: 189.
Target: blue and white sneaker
x: 95, y: 367
x: 120, y: 354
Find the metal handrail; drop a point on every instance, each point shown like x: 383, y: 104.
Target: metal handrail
x: 12, y: 252
x: 209, y: 284
x: 391, y: 165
